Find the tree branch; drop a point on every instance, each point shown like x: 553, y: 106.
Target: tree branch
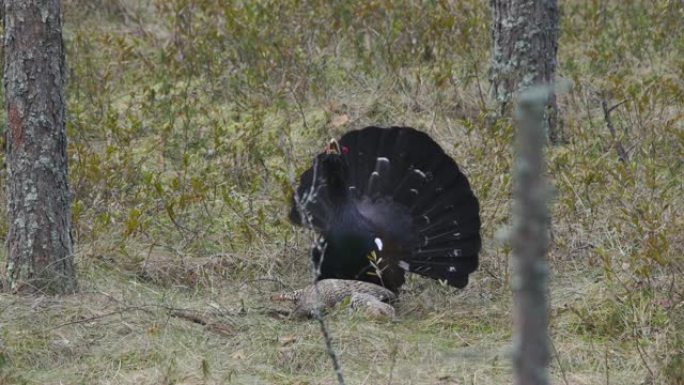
x: 315, y: 268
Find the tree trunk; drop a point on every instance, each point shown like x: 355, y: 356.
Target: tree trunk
x: 530, y: 240
x: 39, y: 250
x: 525, y: 42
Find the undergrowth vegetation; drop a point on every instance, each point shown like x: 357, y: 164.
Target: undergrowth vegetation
x: 189, y: 121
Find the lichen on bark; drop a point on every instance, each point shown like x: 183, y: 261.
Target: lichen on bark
x: 525, y: 44
x: 39, y: 249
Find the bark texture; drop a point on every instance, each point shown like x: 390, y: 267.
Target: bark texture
x: 525, y: 43
x: 530, y: 241
x: 39, y: 249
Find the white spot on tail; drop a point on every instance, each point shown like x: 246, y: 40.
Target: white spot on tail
x: 378, y: 243
x: 382, y: 159
x: 452, y: 269
x: 420, y: 173
x: 456, y: 253
x: 404, y: 265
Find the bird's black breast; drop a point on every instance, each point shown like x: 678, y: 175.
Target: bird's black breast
x: 349, y: 240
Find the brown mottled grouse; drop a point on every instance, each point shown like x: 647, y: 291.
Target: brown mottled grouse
x: 366, y: 297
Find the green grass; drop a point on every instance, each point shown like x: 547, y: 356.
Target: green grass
x: 188, y: 122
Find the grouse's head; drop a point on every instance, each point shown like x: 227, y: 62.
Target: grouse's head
x: 334, y: 166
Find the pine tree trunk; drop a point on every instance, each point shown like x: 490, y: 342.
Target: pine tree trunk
x: 525, y: 43
x: 39, y: 249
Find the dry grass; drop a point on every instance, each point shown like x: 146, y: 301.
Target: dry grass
x: 121, y: 330
x: 188, y: 119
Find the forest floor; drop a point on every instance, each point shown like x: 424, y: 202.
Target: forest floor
x: 188, y: 122
x: 122, y: 329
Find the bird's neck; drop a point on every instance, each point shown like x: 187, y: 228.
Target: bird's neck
x: 349, y: 224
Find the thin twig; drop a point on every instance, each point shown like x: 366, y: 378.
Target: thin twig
x: 393, y: 362
x: 189, y: 316
x: 210, y: 325
x: 315, y: 268
x: 300, y: 109
x: 105, y: 315
x: 560, y: 365
x: 641, y: 353
x: 622, y: 154
x: 605, y: 363
x: 318, y: 315
x: 316, y: 271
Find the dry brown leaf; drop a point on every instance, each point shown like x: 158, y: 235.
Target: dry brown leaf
x: 286, y: 340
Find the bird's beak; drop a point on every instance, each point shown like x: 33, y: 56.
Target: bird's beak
x: 333, y: 147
